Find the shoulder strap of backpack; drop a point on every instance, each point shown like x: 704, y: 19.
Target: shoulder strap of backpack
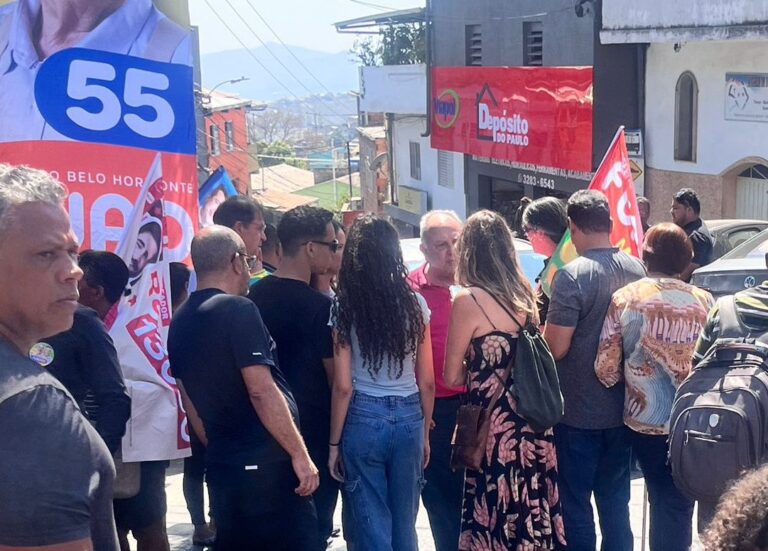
x: 730, y: 323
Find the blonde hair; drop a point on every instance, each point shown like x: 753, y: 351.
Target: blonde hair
x: 488, y: 260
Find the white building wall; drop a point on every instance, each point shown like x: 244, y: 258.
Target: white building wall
x: 399, y: 89
x: 659, y: 14
x: 720, y: 143
x: 409, y: 129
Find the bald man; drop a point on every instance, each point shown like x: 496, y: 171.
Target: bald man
x: 444, y: 490
x: 259, y: 472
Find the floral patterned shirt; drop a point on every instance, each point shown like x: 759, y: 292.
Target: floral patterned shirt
x: 648, y: 339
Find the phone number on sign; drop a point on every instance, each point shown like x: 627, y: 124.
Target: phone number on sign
x: 538, y: 181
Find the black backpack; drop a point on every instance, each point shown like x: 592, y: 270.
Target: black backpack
x: 719, y: 422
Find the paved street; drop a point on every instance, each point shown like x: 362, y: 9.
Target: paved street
x: 180, y: 529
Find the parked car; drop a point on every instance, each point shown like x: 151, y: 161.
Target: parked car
x: 530, y: 262
x: 729, y: 234
x: 741, y: 268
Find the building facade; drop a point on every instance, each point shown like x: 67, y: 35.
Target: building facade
x: 226, y: 134
x: 422, y: 177
x: 540, y: 35
x: 706, y: 100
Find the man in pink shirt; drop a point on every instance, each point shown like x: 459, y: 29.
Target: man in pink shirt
x: 443, y: 492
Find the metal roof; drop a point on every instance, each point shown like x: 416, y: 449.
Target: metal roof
x: 368, y: 24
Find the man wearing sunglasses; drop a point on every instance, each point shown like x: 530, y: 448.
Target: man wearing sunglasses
x: 297, y: 318
x: 245, y: 215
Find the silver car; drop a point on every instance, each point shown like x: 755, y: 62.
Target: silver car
x: 741, y: 268
x: 531, y: 263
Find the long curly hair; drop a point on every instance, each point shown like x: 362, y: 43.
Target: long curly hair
x: 741, y: 521
x: 488, y: 259
x: 375, y: 299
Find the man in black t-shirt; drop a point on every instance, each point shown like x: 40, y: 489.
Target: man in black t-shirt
x: 56, y: 474
x: 685, y: 213
x: 259, y: 472
x: 297, y: 318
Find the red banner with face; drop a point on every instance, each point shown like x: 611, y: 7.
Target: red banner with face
x: 533, y: 115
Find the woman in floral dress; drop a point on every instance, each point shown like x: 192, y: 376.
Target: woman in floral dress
x: 512, y: 502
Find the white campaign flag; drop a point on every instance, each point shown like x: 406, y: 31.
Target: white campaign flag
x: 157, y: 429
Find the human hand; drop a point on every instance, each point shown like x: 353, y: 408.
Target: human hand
x: 427, y: 452
x: 335, y: 464
x: 307, y: 473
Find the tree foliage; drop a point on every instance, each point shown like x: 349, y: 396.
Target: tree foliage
x: 397, y: 44
x: 281, y: 149
x: 273, y: 125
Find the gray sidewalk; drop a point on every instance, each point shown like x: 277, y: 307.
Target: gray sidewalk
x: 180, y: 529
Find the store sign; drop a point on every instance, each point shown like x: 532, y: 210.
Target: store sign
x: 412, y: 200
x: 746, y: 97
x: 541, y: 116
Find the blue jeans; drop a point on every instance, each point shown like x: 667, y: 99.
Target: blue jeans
x: 594, y: 461
x: 671, y: 511
x: 382, y: 449
x: 444, y: 491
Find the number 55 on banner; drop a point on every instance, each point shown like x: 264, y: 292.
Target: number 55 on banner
x: 101, y: 97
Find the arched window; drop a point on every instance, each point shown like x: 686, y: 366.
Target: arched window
x: 686, y: 108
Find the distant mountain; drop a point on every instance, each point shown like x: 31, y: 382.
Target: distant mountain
x: 336, y: 71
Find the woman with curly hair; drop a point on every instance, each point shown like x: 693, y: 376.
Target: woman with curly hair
x: 741, y: 520
x: 512, y: 502
x: 383, y: 388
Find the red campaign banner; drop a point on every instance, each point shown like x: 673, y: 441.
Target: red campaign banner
x: 104, y: 183
x: 614, y: 179
x: 533, y: 115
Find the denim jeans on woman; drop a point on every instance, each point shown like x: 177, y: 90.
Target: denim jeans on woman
x: 382, y: 451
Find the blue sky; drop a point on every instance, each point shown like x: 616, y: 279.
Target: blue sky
x: 306, y: 23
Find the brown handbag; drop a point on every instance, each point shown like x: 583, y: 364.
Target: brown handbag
x: 473, y: 423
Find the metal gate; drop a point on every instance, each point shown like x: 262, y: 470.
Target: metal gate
x: 752, y: 193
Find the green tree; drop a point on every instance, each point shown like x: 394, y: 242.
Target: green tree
x: 283, y: 150
x: 397, y: 44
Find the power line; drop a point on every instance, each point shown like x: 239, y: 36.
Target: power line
x: 293, y: 55
x: 256, y: 59
x: 269, y: 50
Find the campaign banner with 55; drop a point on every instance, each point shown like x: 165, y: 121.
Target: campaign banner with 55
x: 535, y: 115
x: 112, y: 117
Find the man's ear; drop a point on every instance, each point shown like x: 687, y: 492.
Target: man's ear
x: 91, y: 295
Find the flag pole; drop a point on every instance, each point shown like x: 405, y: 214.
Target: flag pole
x: 610, y: 147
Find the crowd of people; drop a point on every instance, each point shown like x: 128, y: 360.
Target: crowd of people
x: 314, y: 367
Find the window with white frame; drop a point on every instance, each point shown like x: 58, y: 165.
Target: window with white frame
x: 686, y: 114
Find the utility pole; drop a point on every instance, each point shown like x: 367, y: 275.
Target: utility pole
x: 349, y: 171
x: 333, y: 171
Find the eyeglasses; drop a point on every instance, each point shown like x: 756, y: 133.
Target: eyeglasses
x: 250, y: 260
x: 334, y: 245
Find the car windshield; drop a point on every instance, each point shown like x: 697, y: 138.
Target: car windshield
x: 756, y: 247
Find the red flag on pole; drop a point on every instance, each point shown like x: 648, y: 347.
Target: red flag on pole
x: 614, y: 179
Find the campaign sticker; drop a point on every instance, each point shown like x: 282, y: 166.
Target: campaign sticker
x: 42, y: 354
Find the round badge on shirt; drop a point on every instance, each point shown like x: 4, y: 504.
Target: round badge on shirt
x: 42, y: 354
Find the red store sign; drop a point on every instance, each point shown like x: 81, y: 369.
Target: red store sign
x: 534, y: 115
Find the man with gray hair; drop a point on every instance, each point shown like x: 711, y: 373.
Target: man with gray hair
x: 57, y: 474
x: 444, y: 490
x: 259, y: 472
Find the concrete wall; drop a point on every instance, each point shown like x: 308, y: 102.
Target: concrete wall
x: 568, y: 40
x: 721, y: 144
x: 399, y: 89
x: 661, y: 14
x: 409, y: 129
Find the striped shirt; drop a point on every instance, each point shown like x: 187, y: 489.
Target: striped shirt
x: 752, y: 308
x: 647, y: 340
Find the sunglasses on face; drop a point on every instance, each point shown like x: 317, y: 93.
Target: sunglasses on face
x: 250, y: 260
x: 334, y: 245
